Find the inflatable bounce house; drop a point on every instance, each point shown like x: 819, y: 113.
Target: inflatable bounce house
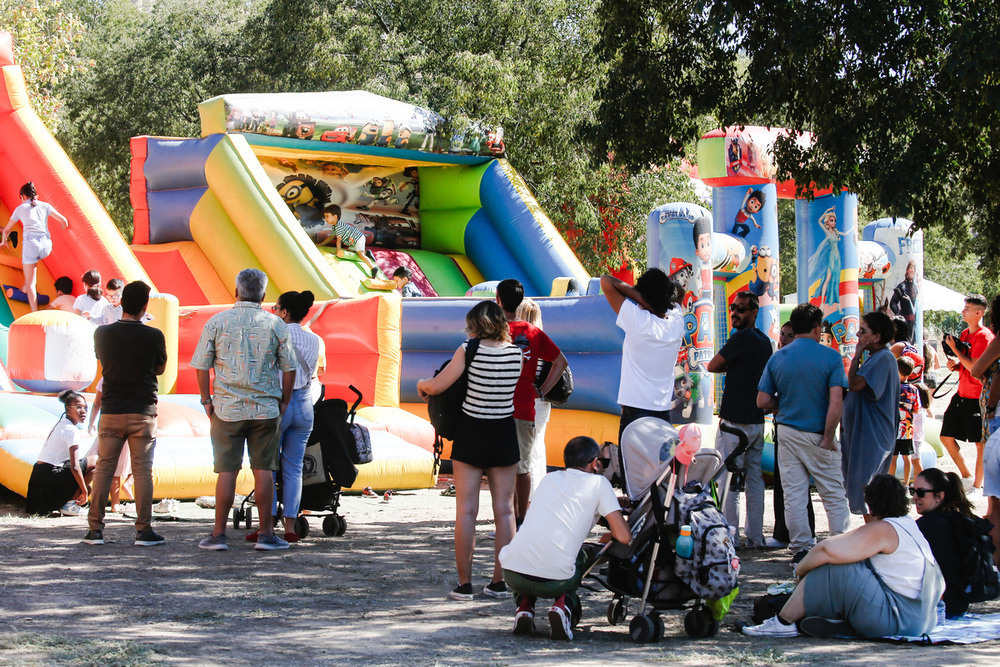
x: 265, y: 186
x: 716, y: 254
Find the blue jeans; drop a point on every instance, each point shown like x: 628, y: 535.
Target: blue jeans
x: 296, y: 425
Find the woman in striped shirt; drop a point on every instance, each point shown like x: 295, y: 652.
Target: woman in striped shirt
x: 486, y: 442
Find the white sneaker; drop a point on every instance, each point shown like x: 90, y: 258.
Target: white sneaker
x: 71, y: 509
x: 975, y: 493
x: 967, y: 484
x: 772, y: 627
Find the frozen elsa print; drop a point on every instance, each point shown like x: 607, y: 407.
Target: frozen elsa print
x: 825, y: 263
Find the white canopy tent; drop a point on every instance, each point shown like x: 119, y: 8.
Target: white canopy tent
x: 938, y: 297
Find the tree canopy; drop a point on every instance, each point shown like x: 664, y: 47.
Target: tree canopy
x: 902, y: 98
x: 528, y: 66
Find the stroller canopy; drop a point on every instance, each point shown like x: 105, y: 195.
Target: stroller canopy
x: 647, y: 447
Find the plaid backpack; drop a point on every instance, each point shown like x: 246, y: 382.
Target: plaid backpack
x: 713, y: 569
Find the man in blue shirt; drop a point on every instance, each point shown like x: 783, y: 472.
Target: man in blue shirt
x: 803, y: 384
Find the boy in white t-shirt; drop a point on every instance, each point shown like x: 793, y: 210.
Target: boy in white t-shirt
x: 544, y: 558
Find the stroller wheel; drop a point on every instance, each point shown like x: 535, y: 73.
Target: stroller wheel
x: 249, y: 517
x: 237, y: 517
x: 617, y: 610
x: 342, y: 528
x: 698, y: 623
x: 642, y: 629
x: 301, y: 526
x: 658, y: 628
x: 330, y: 525
x: 713, y: 628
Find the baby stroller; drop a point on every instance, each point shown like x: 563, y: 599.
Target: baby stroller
x: 664, y: 495
x: 335, y: 445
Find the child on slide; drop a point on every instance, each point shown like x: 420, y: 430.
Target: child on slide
x: 347, y: 236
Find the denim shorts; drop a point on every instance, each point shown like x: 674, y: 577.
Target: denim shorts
x: 991, y: 466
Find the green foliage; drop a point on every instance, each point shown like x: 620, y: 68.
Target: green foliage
x: 901, y: 98
x: 526, y: 66
x: 46, y: 38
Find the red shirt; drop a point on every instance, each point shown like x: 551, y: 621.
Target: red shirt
x: 535, y: 346
x: 968, y: 386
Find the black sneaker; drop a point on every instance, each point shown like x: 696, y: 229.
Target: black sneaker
x: 825, y: 628
x: 463, y: 593
x: 148, y: 538
x: 94, y: 537
x: 496, y: 589
x: 799, y: 555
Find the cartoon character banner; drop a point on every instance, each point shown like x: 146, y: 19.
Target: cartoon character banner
x: 679, y: 241
x: 827, y: 230
x: 380, y: 202
x: 355, y: 117
x: 747, y: 218
x: 905, y: 275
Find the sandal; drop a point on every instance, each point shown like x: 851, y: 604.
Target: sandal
x: 450, y: 491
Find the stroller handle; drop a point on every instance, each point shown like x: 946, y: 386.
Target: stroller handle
x: 744, y: 444
x: 357, y: 402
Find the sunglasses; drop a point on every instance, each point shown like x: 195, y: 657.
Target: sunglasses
x: 920, y: 493
x: 738, y: 308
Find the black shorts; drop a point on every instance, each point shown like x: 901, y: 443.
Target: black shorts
x: 963, y: 420
x: 486, y: 443
x: 903, y: 447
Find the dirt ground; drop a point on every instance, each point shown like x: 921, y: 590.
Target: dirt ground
x: 375, y: 596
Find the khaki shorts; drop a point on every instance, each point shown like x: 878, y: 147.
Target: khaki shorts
x: 525, y: 443
x: 261, y: 437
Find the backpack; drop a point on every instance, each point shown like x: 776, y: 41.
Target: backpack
x: 561, y: 390
x: 445, y: 409
x: 713, y: 569
x: 981, y: 576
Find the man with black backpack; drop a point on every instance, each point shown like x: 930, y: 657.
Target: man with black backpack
x: 536, y: 346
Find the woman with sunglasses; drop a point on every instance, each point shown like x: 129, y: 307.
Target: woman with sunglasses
x: 946, y: 517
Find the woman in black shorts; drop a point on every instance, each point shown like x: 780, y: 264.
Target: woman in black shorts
x: 486, y: 443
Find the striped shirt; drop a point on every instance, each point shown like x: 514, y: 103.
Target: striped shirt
x: 306, y: 346
x: 349, y: 234
x: 493, y: 376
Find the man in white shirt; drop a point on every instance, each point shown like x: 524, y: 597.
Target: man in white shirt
x: 544, y: 558
x: 654, y: 328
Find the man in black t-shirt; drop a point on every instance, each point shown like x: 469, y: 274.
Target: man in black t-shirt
x: 742, y: 359
x: 132, y: 355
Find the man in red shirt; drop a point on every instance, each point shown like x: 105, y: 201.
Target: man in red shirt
x: 963, y: 419
x: 535, y: 346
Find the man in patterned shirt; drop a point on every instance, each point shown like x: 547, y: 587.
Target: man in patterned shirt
x: 254, y: 365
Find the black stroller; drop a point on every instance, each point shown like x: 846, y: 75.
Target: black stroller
x: 646, y: 568
x: 335, y: 445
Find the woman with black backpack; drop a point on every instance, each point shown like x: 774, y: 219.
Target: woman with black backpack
x: 952, y: 529
x: 485, y: 441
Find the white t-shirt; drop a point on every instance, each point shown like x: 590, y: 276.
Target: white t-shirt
x: 109, y: 314
x: 56, y: 448
x: 35, y: 219
x: 563, y: 510
x: 93, y: 307
x: 649, y: 355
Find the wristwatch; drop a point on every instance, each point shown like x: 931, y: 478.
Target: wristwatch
x: 206, y: 401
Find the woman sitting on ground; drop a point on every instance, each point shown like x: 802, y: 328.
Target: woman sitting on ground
x: 60, y: 480
x: 486, y: 442
x: 947, y: 522
x: 878, y: 580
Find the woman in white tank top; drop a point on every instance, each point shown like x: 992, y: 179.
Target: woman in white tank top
x: 877, y: 580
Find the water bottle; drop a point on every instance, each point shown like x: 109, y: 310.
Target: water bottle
x: 685, y: 543
x: 940, y: 612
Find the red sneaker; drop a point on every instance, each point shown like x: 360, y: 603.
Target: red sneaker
x: 252, y: 537
x: 292, y: 537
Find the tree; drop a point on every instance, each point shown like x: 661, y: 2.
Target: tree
x: 46, y: 39
x: 901, y: 98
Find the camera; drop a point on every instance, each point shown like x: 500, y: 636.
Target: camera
x: 960, y: 345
